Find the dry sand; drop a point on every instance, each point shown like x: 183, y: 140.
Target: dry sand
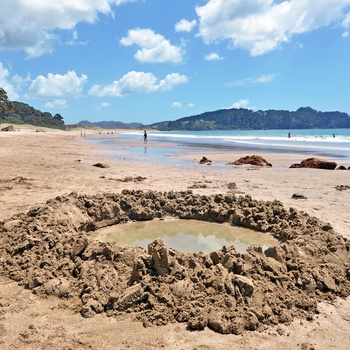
x: 37, y: 166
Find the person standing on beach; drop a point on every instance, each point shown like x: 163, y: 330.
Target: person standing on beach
x: 145, y: 136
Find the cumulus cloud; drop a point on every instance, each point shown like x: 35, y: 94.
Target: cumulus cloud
x: 346, y: 25
x: 5, y: 84
x: 242, y: 104
x: 213, y: 57
x: 138, y: 82
x: 154, y: 48
x: 185, y: 26
x: 102, y: 106
x: 28, y: 25
x: 57, y: 104
x: 19, y: 81
x: 262, y: 79
x: 56, y: 86
x: 176, y: 104
x: 260, y: 26
x: 74, y: 41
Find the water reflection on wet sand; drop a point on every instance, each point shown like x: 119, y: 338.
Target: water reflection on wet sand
x: 185, y: 235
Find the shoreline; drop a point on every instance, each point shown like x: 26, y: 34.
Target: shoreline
x: 37, y: 167
x: 162, y: 150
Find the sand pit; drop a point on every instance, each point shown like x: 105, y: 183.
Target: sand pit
x: 50, y: 251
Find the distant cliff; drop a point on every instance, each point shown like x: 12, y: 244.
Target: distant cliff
x: 246, y: 119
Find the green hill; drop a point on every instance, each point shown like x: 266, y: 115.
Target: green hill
x: 22, y: 113
x: 112, y: 124
x: 246, y: 119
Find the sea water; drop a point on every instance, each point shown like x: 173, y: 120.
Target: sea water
x: 331, y: 142
x: 326, y: 143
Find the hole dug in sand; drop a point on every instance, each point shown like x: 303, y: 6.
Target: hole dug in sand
x: 187, y: 236
x: 51, y: 250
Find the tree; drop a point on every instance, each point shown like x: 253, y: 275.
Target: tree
x: 5, y: 104
x: 58, y: 117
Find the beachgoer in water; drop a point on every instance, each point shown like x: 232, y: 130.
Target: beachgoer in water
x: 145, y: 136
x: 289, y: 135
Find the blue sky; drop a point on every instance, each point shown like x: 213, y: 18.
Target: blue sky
x: 154, y: 60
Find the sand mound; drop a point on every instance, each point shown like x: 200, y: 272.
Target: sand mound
x: 50, y: 250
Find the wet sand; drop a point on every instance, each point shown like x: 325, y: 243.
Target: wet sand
x: 37, y: 166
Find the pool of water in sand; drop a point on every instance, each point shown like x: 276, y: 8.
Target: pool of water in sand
x: 185, y: 235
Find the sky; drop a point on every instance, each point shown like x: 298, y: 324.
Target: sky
x: 157, y: 60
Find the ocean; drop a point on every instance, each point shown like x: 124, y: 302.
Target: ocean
x: 326, y: 143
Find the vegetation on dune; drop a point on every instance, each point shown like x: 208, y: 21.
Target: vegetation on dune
x: 5, y: 104
x: 22, y: 113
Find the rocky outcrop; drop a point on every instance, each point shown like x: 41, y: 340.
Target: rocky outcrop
x: 298, y: 196
x: 252, y: 160
x: 316, y: 163
x: 51, y: 251
x: 206, y: 161
x: 8, y: 128
x: 101, y: 165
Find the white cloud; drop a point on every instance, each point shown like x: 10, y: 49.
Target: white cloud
x: 185, y: 26
x: 213, y: 57
x: 262, y: 79
x: 19, y: 81
x: 242, y: 104
x: 5, y: 84
x: 102, y: 105
x: 28, y: 24
x: 260, y: 26
x: 56, y: 86
x: 154, y: 47
x: 346, y: 25
x: 74, y: 40
x: 346, y: 21
x: 57, y: 104
x: 138, y: 82
x: 176, y: 104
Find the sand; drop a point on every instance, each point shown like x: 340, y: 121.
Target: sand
x: 38, y: 166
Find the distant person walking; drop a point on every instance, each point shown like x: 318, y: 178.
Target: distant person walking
x: 145, y: 136
x: 289, y: 135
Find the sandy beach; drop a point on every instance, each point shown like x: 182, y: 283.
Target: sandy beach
x: 39, y: 166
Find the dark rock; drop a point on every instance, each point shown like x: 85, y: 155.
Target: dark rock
x: 298, y: 196
x: 315, y: 163
x: 206, y: 161
x: 8, y: 128
x: 252, y: 160
x: 101, y: 165
x: 342, y: 187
